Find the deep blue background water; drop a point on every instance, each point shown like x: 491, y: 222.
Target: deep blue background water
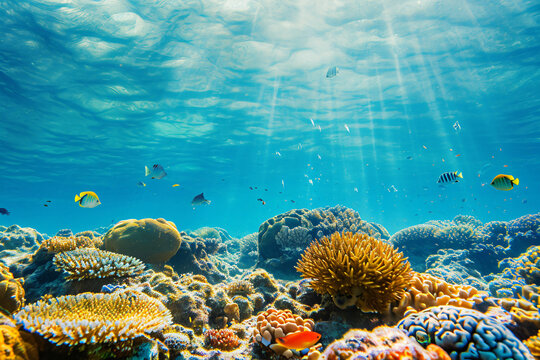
x: 92, y: 91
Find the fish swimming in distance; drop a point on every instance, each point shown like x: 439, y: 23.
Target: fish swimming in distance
x: 199, y: 200
x: 504, y: 182
x: 156, y: 171
x: 141, y: 184
x: 449, y: 177
x: 332, y: 72
x: 87, y: 199
x: 4, y: 211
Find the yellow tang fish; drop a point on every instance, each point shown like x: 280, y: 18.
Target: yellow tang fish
x: 504, y: 182
x: 87, y: 199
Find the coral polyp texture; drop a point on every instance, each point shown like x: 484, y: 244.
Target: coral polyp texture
x: 465, y: 334
x: 15, y: 345
x: 93, y: 264
x: 356, y: 269
x: 240, y: 287
x: 426, y: 291
x: 223, y: 339
x: 152, y: 240
x: 383, y: 343
x: 11, y: 291
x: 90, y: 318
x: 58, y: 244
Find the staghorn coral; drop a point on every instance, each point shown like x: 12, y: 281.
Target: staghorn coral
x: 426, y: 291
x: 153, y: 241
x: 90, y: 263
x: 11, y: 291
x: 464, y: 334
x: 223, y: 339
x: 240, y: 287
x: 58, y: 244
x: 90, y: 318
x: 356, y: 269
x: 15, y: 345
x: 273, y: 324
x: 383, y: 343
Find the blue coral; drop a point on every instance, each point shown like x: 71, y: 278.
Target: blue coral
x: 465, y: 334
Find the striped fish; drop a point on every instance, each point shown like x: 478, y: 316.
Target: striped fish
x: 504, y: 182
x: 449, y: 177
x: 87, y: 199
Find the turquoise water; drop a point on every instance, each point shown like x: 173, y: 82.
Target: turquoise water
x: 223, y: 94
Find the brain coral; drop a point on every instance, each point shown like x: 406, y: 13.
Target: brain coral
x: 11, y: 291
x: 90, y: 318
x: 90, y: 263
x: 465, y: 334
x: 151, y: 240
x: 383, y: 343
x: 356, y: 269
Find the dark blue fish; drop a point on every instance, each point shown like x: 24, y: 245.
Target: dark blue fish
x: 199, y: 200
x: 4, y: 211
x: 449, y: 177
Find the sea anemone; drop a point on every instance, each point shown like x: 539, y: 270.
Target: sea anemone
x: 356, y: 269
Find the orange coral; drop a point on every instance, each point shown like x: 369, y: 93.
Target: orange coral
x: 11, y: 290
x: 427, y: 291
x: 14, y: 347
x: 223, y: 339
x: 356, y: 269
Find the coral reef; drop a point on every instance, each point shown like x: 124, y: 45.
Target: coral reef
x: 90, y: 318
x: 283, y: 238
x: 464, y: 334
x: 15, y: 345
x: 153, y: 241
x: 383, y: 343
x: 249, y: 250
x: 58, y: 244
x: 455, y: 267
x: 96, y: 264
x: 11, y: 291
x: 356, y: 269
x: 14, y: 237
x: 223, y: 339
x: 240, y: 287
x: 533, y: 343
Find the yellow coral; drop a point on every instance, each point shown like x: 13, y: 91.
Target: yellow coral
x: 533, y: 343
x: 93, y: 263
x: 11, y: 290
x: 240, y: 287
x: 58, y: 244
x: 90, y: 318
x: 356, y: 269
x: 427, y: 291
x: 14, y: 347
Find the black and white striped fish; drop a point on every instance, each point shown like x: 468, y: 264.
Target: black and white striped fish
x: 449, y: 177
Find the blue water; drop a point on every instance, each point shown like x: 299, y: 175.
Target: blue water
x: 92, y: 91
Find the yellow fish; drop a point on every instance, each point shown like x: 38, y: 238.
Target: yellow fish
x: 175, y: 185
x: 87, y: 199
x: 504, y: 182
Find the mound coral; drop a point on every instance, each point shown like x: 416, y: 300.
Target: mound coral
x: 356, y: 269
x: 383, y: 343
x: 464, y: 334
x: 11, y: 291
x: 15, y: 345
x: 90, y: 318
x: 223, y: 339
x: 152, y: 240
x: 93, y: 264
x: 273, y: 324
x: 426, y: 291
x: 58, y: 244
x: 240, y: 287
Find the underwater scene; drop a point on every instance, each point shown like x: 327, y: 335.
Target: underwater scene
x: 273, y: 180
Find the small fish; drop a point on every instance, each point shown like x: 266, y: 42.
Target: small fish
x: 293, y: 201
x: 347, y: 128
x: 299, y: 146
x: 87, y: 199
x: 282, y: 183
x: 456, y: 126
x: 262, y: 201
x: 449, y: 177
x: 319, y: 127
x: 278, y: 153
x: 175, y: 185
x: 300, y: 340
x: 424, y: 146
x: 48, y: 201
x: 310, y: 181
x: 332, y: 72
x: 199, y: 200
x: 141, y: 184
x: 156, y: 171
x: 4, y: 211
x: 504, y: 182
x: 319, y: 157
x: 409, y: 157
x: 250, y: 188
x: 392, y: 188
x: 312, y: 122
x: 45, y: 205
x: 355, y: 189
x: 524, y: 201
x: 265, y: 189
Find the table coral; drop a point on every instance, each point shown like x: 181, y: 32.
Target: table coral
x: 465, y: 334
x: 356, y: 269
x: 90, y: 318
x: 383, y: 343
x: 152, y: 240
x: 90, y: 263
x: 11, y: 291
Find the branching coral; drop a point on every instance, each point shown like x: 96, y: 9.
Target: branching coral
x: 464, y: 334
x: 58, y: 244
x: 356, y: 269
x: 93, y: 263
x: 90, y: 318
x: 223, y: 339
x: 11, y: 291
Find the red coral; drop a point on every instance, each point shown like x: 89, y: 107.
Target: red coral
x: 224, y: 339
